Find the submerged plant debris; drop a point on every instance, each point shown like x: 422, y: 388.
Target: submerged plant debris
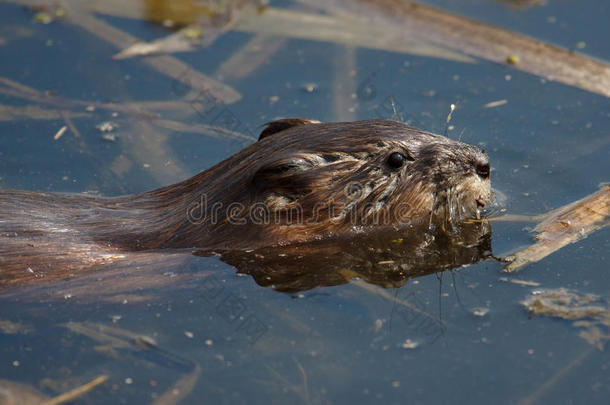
x: 586, y: 311
x: 378, y: 24
x: 11, y: 328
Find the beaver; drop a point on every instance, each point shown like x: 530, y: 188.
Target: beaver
x: 302, y: 180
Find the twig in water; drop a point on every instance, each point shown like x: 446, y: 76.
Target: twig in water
x: 76, y: 392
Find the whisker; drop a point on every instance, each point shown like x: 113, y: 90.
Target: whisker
x: 447, y: 216
x: 432, y: 213
x: 450, y: 198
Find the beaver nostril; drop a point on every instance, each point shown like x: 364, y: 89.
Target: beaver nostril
x: 483, y: 170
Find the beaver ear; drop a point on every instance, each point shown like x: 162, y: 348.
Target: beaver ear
x: 286, y: 176
x: 279, y: 171
x: 276, y: 126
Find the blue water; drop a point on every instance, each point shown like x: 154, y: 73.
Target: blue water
x: 548, y: 146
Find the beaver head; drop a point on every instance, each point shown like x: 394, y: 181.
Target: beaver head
x: 304, y: 179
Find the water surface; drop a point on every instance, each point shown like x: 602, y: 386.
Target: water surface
x: 549, y: 145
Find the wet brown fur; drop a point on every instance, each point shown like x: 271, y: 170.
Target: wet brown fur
x: 310, y: 179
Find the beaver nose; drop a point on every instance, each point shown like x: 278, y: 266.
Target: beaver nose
x: 482, y: 169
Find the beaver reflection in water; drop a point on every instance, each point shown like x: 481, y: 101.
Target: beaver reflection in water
x: 302, y: 180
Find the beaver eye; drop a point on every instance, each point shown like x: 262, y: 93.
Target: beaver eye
x: 396, y: 160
